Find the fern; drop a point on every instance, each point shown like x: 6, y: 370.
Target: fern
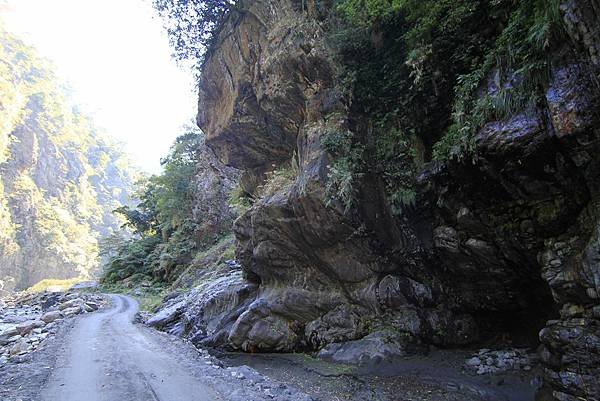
x: 520, y: 61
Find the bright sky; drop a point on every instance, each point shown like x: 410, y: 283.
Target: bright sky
x: 115, y: 56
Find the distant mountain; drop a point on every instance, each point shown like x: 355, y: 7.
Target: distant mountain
x: 60, y: 178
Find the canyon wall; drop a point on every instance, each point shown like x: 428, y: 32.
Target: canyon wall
x: 60, y: 178
x: 502, y: 246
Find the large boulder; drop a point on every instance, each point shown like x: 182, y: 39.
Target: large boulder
x: 51, y: 316
x: 7, y: 336
x: 71, y: 303
x: 377, y: 347
x: 166, y: 315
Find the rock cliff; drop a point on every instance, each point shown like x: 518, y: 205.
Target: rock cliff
x: 60, y: 178
x: 502, y: 247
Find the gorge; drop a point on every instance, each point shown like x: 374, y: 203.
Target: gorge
x: 372, y: 182
x: 60, y: 177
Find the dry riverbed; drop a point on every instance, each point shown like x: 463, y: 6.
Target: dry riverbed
x: 27, y: 320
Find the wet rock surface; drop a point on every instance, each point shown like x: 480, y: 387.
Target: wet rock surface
x: 372, y: 349
x: 440, y: 376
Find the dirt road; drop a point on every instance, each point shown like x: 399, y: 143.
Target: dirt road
x: 109, y: 358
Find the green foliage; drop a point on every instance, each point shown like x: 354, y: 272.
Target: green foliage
x: 56, y: 197
x: 162, y: 220
x: 192, y: 25
x: 240, y: 200
x: 171, y: 191
x: 365, y: 13
x: 150, y: 300
x: 520, y: 66
x: 140, y: 219
x: 132, y: 260
x: 397, y: 161
x: 415, y: 73
x: 346, y: 167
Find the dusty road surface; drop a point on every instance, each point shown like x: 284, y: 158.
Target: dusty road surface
x: 103, y: 356
x: 108, y: 358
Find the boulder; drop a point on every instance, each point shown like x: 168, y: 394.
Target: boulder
x: 167, y: 315
x: 8, y: 336
x: 377, y: 347
x: 51, y: 300
x: 75, y: 302
x: 72, y: 296
x: 27, y: 327
x: 19, y: 348
x: 50, y: 317
x: 70, y: 312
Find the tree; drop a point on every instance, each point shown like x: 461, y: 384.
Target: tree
x: 191, y: 26
x: 165, y: 199
x: 162, y: 219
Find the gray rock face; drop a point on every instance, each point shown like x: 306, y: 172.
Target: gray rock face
x: 206, y: 314
x: 310, y: 260
x: 213, y: 184
x: 167, y: 315
x: 493, y: 248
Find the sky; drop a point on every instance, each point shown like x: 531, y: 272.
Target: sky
x: 115, y: 57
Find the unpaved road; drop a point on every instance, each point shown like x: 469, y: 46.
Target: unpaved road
x: 104, y: 356
x: 109, y: 358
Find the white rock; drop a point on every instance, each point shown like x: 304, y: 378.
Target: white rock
x: 77, y: 302
x: 70, y: 312
x: 474, y: 361
x: 27, y: 327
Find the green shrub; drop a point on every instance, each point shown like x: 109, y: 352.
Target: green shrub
x: 240, y: 200
x: 281, y: 178
x: 416, y: 69
x: 164, y: 230
x: 518, y: 64
x: 346, y: 168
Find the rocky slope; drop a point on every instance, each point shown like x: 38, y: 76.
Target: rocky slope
x: 60, y: 178
x: 27, y: 320
x: 500, y: 248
